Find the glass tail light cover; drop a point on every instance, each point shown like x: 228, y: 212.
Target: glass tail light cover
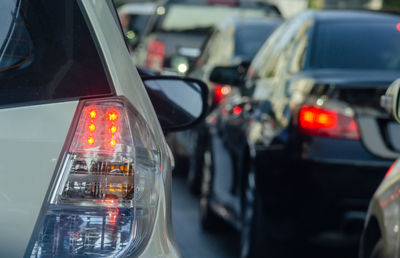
x: 329, y: 122
x: 105, y: 193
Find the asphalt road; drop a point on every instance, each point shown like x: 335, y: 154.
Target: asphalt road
x: 194, y: 242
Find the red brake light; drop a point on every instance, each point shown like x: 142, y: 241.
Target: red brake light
x: 105, y: 194
x: 220, y: 92
x: 398, y: 26
x: 100, y: 126
x: 237, y: 110
x: 155, y: 55
x: 331, y: 123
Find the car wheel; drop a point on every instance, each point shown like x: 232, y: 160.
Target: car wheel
x: 254, y: 238
x: 378, y: 251
x: 209, y: 220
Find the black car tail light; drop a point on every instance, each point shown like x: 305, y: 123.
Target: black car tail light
x: 319, y: 121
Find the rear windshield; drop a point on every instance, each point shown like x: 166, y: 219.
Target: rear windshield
x: 47, y: 53
x: 250, y: 37
x: 189, y: 17
x: 363, y: 45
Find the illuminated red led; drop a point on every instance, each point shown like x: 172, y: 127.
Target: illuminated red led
x: 237, y: 110
x: 113, y: 129
x: 314, y: 117
x: 92, y: 127
x: 90, y: 140
x: 398, y: 26
x: 93, y: 114
x: 112, y: 116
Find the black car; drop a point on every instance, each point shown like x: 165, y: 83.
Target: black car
x: 177, y: 31
x: 232, y: 46
x: 296, y: 158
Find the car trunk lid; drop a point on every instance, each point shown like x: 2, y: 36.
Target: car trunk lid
x: 362, y: 90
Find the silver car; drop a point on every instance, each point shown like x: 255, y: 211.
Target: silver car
x: 381, y: 236
x: 84, y: 166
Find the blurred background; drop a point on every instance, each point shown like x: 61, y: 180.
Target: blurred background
x: 296, y: 141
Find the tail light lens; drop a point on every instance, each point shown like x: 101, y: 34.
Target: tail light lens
x: 319, y: 121
x: 105, y: 194
x: 220, y: 92
x: 155, y: 55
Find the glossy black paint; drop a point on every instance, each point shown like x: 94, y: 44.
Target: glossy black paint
x: 309, y: 184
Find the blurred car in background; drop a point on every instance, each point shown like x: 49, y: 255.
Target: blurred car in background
x: 85, y: 169
x: 134, y: 18
x: 179, y: 28
x: 232, y: 46
x: 380, y: 238
x: 298, y: 161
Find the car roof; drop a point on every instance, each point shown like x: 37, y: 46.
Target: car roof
x: 352, y: 15
x: 144, y: 8
x: 229, y: 3
x: 243, y: 21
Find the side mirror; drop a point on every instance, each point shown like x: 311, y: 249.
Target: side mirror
x: 179, y: 102
x: 390, y: 101
x: 231, y: 75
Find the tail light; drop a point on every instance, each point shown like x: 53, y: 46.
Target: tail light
x: 155, y: 55
x: 220, y: 92
x: 319, y: 121
x: 105, y: 193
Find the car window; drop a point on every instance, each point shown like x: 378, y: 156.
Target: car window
x: 250, y: 37
x: 277, y: 60
x: 298, y: 48
x: 357, y: 45
x: 262, y: 58
x: 42, y: 60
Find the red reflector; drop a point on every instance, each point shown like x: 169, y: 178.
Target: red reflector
x: 237, y: 110
x: 331, y: 123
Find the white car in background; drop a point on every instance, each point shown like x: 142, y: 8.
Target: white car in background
x: 134, y: 18
x: 84, y: 166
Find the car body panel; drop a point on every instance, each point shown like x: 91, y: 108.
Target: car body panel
x: 34, y: 135
x: 385, y: 209
x: 32, y: 139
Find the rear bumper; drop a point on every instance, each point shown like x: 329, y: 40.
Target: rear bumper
x: 323, y: 192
